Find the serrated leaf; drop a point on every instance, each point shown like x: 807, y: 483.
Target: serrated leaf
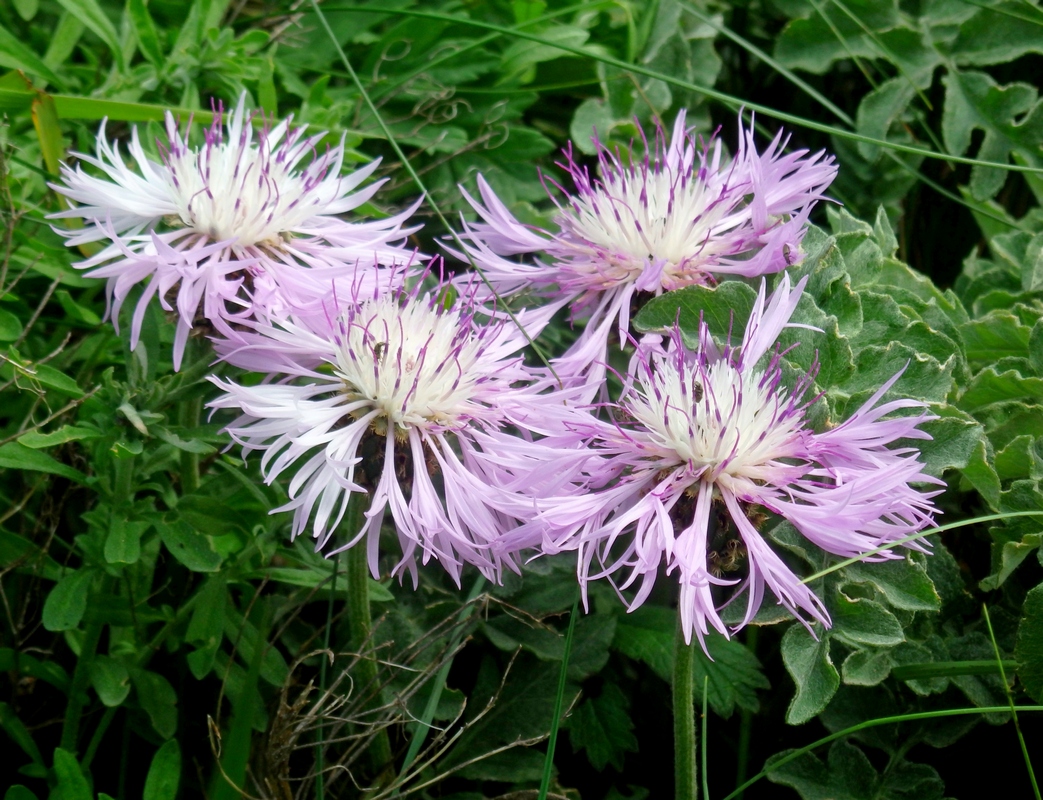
x: 734, y: 675
x: 66, y: 433
x: 67, y: 601
x: 808, y: 663
x: 990, y: 386
x: 866, y: 667
x: 603, y: 727
x: 647, y: 634
x: 1011, y: 556
x: 997, y: 334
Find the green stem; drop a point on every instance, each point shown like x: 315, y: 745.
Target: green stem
x: 320, y: 749
x: 78, y: 689
x: 746, y: 719
x: 552, y: 739
x: 685, y: 785
x: 360, y: 626
x: 191, y: 410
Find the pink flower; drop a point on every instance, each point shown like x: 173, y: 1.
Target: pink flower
x: 709, y: 441
x: 407, y: 398
x: 240, y: 225
x: 678, y: 217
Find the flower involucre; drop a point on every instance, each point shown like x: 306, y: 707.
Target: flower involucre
x: 709, y: 441
x: 412, y: 401
x: 677, y: 217
x: 246, y: 223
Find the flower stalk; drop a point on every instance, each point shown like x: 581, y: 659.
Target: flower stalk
x: 685, y: 769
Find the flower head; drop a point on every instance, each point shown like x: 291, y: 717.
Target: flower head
x: 413, y: 401
x: 246, y: 222
x: 711, y: 443
x: 677, y: 217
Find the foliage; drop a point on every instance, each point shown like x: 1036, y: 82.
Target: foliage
x: 161, y: 636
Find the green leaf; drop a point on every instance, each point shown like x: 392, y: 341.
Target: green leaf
x: 66, y: 433
x: 15, y: 455
x: 110, y: 680
x: 67, y: 601
x: 647, y: 634
x: 15, y: 55
x: 15, y: 728
x: 866, y: 668
x: 48, y: 376
x: 194, y: 550
x: 19, y: 792
x: 27, y: 8
x: 71, y: 781
x: 1011, y: 556
x: 19, y: 553
x: 123, y: 544
x: 159, y: 700
x: 10, y: 325
x: 734, y: 675
x: 1011, y: 118
x: 91, y: 15
x: 145, y: 29
x: 725, y: 309
x: 807, y: 661
x: 206, y: 627
x: 992, y: 37
x: 165, y: 773
x: 604, y: 728
x: 996, y: 335
x: 903, y: 582
x: 861, y: 621
x: 1029, y: 648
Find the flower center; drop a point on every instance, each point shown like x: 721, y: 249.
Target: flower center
x: 416, y: 365
x: 648, y: 216
x: 718, y: 419
x: 240, y: 190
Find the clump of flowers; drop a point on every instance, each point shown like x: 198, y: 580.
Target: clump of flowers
x: 411, y: 399
x: 680, y: 216
x: 247, y: 223
x: 707, y: 442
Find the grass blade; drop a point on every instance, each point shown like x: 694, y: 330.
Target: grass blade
x: 552, y: 740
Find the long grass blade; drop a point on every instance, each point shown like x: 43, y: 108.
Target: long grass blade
x: 919, y: 535
x: 729, y: 100
x: 559, y: 700
x: 1010, y: 700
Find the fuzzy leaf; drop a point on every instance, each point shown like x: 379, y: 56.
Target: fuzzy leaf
x: 807, y: 661
x: 1029, y: 648
x: 604, y: 728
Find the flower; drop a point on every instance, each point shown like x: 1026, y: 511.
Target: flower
x: 709, y: 441
x: 406, y: 397
x: 242, y: 224
x: 677, y: 217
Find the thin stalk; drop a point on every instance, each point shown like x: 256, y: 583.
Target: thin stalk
x: 552, y: 740
x: 685, y: 785
x: 78, y: 688
x: 746, y: 719
x: 360, y: 625
x: 320, y: 749
x: 948, y: 669
x: 704, y: 721
x: 99, y: 734
x: 1010, y: 699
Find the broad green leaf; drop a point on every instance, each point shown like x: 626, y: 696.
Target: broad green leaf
x: 110, y: 680
x: 71, y: 781
x: 725, y: 309
x: 996, y: 335
x: 903, y: 582
x: 517, y: 765
x: 954, y: 438
x: 1011, y: 556
x: 164, y: 775
x: 814, y: 43
x: 19, y: 792
x: 206, y: 627
x: 10, y: 326
x: 990, y: 386
x: 604, y: 728
x: 866, y: 667
x: 26, y: 8
x: 860, y: 621
x: 992, y: 37
x: 123, y: 544
x: 158, y: 699
x: 846, y: 775
x: 1011, y: 117
x: 52, y: 378
x: 807, y: 661
x: 194, y: 550
x: 67, y: 601
x: 647, y: 634
x: 1029, y: 648
x: 734, y: 675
